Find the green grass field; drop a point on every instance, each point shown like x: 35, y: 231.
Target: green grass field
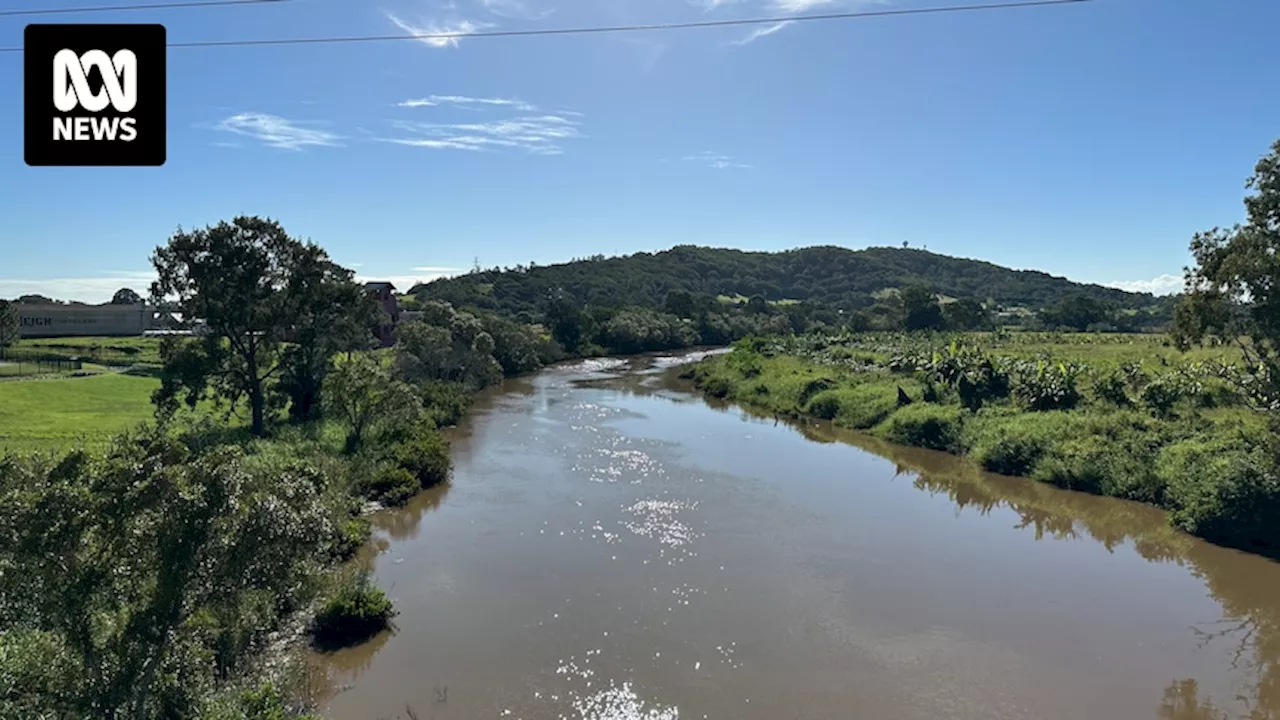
x: 64, y: 412
x: 112, y: 350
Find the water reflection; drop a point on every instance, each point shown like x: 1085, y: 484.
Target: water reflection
x: 402, y: 523
x: 331, y: 673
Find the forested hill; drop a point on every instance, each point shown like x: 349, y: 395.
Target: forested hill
x: 830, y: 276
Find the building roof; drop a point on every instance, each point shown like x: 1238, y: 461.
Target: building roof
x: 379, y: 286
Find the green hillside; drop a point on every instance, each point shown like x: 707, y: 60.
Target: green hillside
x: 827, y: 276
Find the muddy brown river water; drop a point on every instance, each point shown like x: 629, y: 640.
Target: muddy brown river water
x: 614, y: 547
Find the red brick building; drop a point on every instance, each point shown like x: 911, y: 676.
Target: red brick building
x: 384, y: 293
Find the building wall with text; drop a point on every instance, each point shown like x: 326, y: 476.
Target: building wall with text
x: 37, y: 321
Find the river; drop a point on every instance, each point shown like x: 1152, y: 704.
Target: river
x: 615, y: 547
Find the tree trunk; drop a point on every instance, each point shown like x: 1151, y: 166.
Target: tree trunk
x: 256, y: 402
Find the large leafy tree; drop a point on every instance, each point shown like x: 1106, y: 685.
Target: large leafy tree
x: 920, y: 308
x: 329, y: 313
x: 253, y: 287
x: 8, y: 323
x: 126, y: 296
x: 966, y: 314
x: 1233, y: 292
x: 1078, y: 312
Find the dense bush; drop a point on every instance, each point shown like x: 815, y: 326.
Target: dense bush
x: 216, y: 545
x: 356, y: 612
x: 1102, y: 466
x: 1160, y: 395
x: 426, y: 456
x: 1045, y: 385
x: 716, y: 386
x: 825, y: 405
x: 1224, y: 489
x: 262, y: 702
x: 937, y: 427
x: 390, y: 485
x: 1012, y: 443
x: 349, y: 537
x: 1110, y: 387
x: 515, y: 345
x: 445, y: 402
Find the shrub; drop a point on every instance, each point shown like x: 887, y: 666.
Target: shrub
x: 746, y: 363
x: 356, y: 612
x: 390, y: 485
x: 1110, y: 388
x: 425, y: 456
x: 1111, y: 454
x: 812, y: 388
x: 927, y: 426
x: 349, y: 537
x: 1012, y: 444
x: 716, y: 386
x: 1044, y: 386
x: 445, y: 402
x: 1161, y: 394
x: 1097, y: 464
x: 930, y: 393
x: 825, y: 405
x: 1225, y: 490
x: 264, y: 702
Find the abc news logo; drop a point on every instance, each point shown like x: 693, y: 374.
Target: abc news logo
x: 107, y: 105
x: 71, y: 90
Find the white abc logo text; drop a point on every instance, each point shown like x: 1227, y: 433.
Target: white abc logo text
x: 71, y: 90
x: 119, y: 80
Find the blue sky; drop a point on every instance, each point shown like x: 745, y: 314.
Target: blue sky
x: 1086, y: 140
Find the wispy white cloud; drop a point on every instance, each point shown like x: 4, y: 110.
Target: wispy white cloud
x: 712, y: 160
x: 464, y: 101
x: 1160, y: 285
x: 799, y: 6
x: 760, y: 32
x: 90, y: 290
x: 436, y: 269
x: 437, y: 33
x: 535, y: 134
x: 276, y: 131
x: 710, y: 5
x: 517, y: 9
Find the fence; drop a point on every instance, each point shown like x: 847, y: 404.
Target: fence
x: 38, y: 366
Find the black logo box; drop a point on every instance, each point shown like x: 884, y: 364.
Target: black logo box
x: 42, y: 42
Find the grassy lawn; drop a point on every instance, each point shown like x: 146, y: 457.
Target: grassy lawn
x: 109, y: 349
x: 59, y: 413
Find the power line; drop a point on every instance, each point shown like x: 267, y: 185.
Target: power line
x: 151, y: 6
x: 612, y: 28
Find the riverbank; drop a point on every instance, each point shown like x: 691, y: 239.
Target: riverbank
x: 1167, y: 439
